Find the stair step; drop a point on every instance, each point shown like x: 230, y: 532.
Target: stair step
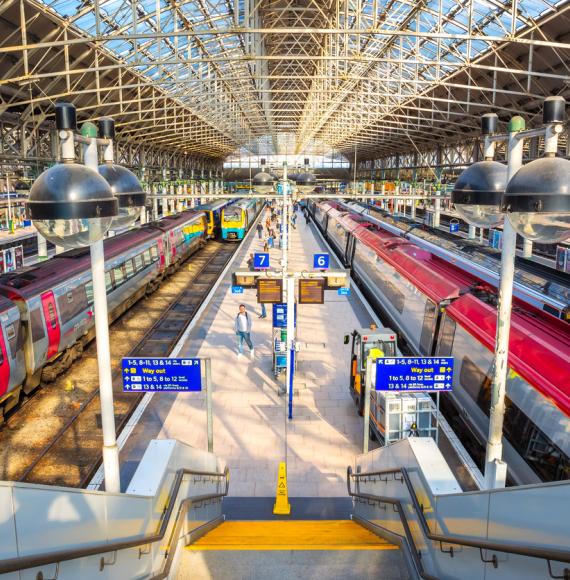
x: 293, y: 535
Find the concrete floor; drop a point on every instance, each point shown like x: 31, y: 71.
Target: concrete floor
x: 251, y: 431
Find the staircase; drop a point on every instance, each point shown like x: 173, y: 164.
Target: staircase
x: 280, y: 549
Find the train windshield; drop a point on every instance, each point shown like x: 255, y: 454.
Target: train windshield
x: 232, y: 214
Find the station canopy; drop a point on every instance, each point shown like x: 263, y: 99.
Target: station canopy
x: 215, y: 76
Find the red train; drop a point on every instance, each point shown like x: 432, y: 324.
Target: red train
x: 439, y: 309
x: 46, y: 310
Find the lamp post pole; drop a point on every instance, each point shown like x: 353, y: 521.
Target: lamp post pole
x: 495, y: 468
x: 110, y: 449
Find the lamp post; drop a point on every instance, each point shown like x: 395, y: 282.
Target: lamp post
x: 537, y: 199
x: 73, y: 206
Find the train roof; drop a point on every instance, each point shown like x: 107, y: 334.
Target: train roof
x: 436, y: 278
x: 539, y: 345
x: 6, y: 304
x: 173, y: 221
x: 214, y: 205
x: 33, y: 280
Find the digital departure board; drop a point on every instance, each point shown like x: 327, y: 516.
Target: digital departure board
x: 311, y: 291
x: 269, y: 290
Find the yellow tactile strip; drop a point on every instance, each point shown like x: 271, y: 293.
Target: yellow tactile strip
x: 291, y: 535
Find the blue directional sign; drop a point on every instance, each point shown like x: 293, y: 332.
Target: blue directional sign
x: 237, y: 289
x: 161, y: 374
x: 414, y: 374
x: 321, y: 261
x: 261, y: 261
x: 344, y: 292
x: 280, y: 315
x: 453, y: 227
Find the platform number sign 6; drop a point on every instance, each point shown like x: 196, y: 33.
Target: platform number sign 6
x: 321, y: 261
x: 261, y: 261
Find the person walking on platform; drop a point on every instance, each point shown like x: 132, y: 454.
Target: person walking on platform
x: 259, y: 230
x: 243, y: 331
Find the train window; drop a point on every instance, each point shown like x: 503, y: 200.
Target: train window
x: 129, y: 269
x: 138, y: 262
x: 546, y: 459
x: 37, y: 325
x: 476, y: 383
x: 73, y: 303
x: 119, y: 276
x: 428, y: 328
x: 396, y: 298
x: 89, y: 292
x: 147, y: 257
x: 15, y: 337
x: 154, y: 253
x: 445, y: 347
x: 108, y: 281
x: 52, y: 315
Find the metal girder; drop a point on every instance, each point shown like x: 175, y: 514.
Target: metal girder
x: 364, y: 77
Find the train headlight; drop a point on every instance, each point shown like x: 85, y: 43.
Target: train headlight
x: 128, y: 191
x: 306, y: 182
x: 478, y: 192
x: 263, y: 182
x: 537, y: 200
x: 71, y: 205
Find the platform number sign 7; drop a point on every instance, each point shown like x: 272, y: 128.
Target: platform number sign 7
x: 321, y: 261
x: 261, y: 261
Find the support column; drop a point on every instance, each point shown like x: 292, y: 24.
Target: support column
x: 42, y: 248
x: 472, y: 232
x: 437, y: 210
x: 527, y: 248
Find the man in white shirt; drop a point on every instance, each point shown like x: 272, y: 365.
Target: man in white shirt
x: 243, y: 331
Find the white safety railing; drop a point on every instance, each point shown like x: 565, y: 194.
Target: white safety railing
x: 407, y: 493
x: 53, y: 532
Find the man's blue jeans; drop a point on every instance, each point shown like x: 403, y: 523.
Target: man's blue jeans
x: 241, y: 337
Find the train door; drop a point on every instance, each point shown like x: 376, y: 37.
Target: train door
x: 52, y: 324
x: 161, y: 253
x: 4, y: 366
x: 349, y: 254
x: 172, y: 245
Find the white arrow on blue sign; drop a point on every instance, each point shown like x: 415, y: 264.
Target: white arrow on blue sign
x: 141, y: 374
x: 430, y: 374
x: 321, y: 261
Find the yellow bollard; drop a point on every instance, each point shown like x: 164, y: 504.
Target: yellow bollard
x: 282, y: 506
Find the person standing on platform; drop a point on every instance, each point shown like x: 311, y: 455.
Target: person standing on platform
x: 259, y: 230
x: 250, y: 262
x: 243, y: 331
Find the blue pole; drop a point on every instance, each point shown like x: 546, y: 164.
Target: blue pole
x: 292, y: 354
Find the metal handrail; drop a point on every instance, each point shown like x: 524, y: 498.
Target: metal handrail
x: 548, y: 554
x: 26, y: 562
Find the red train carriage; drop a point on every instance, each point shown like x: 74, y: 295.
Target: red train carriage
x: 55, y: 298
x: 439, y: 308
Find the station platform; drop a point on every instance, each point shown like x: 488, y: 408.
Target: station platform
x: 251, y: 431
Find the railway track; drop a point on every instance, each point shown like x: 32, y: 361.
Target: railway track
x: 58, y: 439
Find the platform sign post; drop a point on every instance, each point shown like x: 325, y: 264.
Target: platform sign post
x: 171, y: 375
x: 368, y: 382
x: 209, y: 405
x: 415, y: 374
